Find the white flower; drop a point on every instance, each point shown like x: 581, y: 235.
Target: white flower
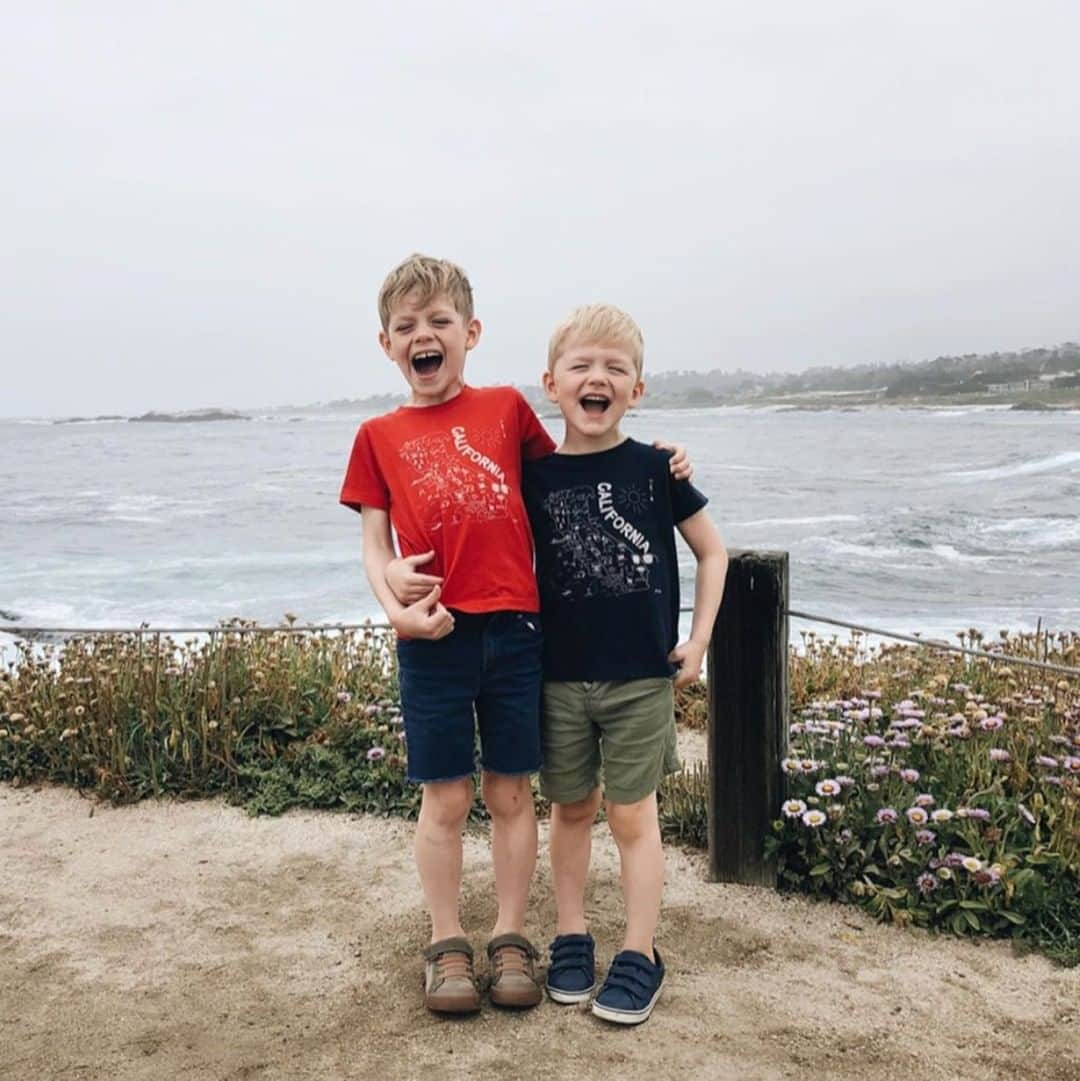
x: 828, y: 787
x: 917, y: 816
x: 942, y: 814
x: 793, y: 808
x: 970, y: 863
x: 814, y: 818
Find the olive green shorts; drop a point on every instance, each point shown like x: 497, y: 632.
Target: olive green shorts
x: 621, y: 734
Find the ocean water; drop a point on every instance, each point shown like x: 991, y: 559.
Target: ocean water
x: 915, y: 520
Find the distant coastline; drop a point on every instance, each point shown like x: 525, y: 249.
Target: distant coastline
x: 1039, y: 380
x: 1054, y: 401
x: 186, y: 416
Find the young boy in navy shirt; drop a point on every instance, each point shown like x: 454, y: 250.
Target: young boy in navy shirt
x: 604, y: 510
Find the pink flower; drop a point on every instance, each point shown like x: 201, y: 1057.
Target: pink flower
x: 375, y: 753
x: 909, y: 775
x: 873, y: 741
x: 886, y: 816
x: 991, y: 724
x: 924, y: 799
x: 906, y: 721
x: 999, y: 754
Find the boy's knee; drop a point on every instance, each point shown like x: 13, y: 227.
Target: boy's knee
x: 580, y: 811
x: 630, y: 821
x: 506, y: 796
x: 447, y: 803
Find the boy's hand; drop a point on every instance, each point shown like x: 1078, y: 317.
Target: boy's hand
x: 406, y: 582
x: 425, y: 618
x: 680, y: 465
x: 688, y: 656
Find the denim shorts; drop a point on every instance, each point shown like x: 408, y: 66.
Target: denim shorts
x: 485, y: 675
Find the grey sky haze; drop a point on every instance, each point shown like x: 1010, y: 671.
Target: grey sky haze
x: 200, y: 200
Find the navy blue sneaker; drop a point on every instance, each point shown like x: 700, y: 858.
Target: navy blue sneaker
x: 571, y: 975
x: 631, y: 988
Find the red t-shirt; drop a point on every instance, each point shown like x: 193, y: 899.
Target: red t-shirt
x: 450, y: 476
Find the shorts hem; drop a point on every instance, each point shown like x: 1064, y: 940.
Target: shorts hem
x: 574, y: 799
x: 620, y: 799
x: 648, y: 792
x: 440, y: 780
x: 510, y: 772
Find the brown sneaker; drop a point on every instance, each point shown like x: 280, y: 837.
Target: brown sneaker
x: 449, y: 980
x: 513, y: 980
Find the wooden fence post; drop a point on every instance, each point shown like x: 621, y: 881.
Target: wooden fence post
x: 748, y: 716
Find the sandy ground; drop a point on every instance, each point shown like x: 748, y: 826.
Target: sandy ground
x: 187, y: 940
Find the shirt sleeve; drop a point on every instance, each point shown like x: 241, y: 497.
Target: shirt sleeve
x: 364, y: 483
x: 685, y: 498
x: 535, y: 441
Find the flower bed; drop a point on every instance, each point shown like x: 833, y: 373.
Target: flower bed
x: 926, y: 788
x: 937, y: 791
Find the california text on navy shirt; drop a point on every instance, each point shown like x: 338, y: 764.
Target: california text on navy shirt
x: 604, y: 527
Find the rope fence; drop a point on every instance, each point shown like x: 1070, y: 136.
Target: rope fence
x: 937, y: 643
x: 23, y: 631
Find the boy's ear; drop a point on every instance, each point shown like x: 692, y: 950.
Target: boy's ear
x: 637, y: 393
x: 384, y: 341
x: 548, y: 383
x: 472, y: 333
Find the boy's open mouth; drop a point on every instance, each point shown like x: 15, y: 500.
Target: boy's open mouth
x: 595, y: 404
x: 427, y: 362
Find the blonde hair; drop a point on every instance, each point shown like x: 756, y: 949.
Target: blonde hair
x: 429, y: 278
x: 598, y: 324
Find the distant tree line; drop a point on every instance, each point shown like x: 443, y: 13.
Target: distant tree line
x: 970, y: 373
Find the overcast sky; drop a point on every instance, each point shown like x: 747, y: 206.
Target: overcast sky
x: 200, y: 199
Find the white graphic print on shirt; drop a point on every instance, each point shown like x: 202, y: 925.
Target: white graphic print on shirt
x: 458, y: 481
x: 603, y: 553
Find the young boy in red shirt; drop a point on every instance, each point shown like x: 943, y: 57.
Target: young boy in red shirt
x: 445, y: 471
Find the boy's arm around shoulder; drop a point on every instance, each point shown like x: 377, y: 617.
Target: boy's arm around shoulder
x: 425, y: 618
x: 712, y: 561
x: 679, y: 464
x: 535, y: 441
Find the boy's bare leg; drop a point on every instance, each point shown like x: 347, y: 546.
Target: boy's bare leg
x: 438, y: 849
x: 636, y: 829
x: 571, y: 849
x: 509, y: 801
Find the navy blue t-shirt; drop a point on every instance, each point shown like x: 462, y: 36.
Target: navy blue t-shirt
x: 604, y: 527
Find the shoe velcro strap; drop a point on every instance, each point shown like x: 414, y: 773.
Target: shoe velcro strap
x: 626, y: 970
x: 448, y: 945
x: 571, y: 954
x: 512, y: 939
